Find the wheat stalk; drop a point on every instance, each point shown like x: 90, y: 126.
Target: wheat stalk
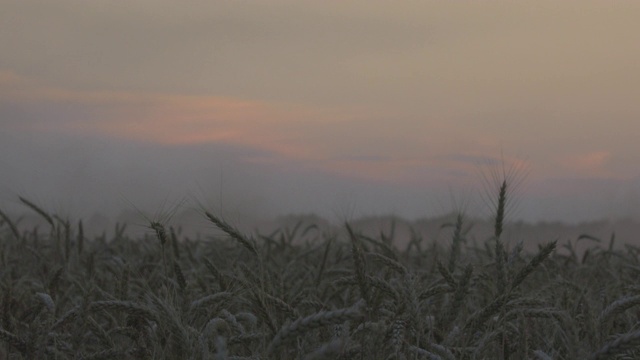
x: 533, y: 264
x: 358, y: 261
x: 38, y: 210
x: 12, y: 226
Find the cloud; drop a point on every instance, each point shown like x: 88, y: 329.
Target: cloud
x: 344, y: 143
x: 593, y: 163
x: 152, y: 117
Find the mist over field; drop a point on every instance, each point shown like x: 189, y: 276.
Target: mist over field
x: 103, y: 181
x: 81, y: 177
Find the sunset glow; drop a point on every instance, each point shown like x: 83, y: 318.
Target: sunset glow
x: 412, y: 99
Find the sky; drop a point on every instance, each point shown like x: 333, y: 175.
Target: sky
x: 340, y: 108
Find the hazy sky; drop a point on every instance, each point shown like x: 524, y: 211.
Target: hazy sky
x: 368, y: 107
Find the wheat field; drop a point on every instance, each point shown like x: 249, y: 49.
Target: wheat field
x: 302, y: 293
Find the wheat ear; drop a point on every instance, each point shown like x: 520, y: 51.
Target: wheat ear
x: 320, y: 319
x: 622, y: 343
x: 233, y: 232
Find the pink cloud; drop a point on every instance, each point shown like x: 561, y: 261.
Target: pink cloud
x: 171, y: 119
x: 313, y: 138
x: 592, y: 163
x: 343, y: 141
